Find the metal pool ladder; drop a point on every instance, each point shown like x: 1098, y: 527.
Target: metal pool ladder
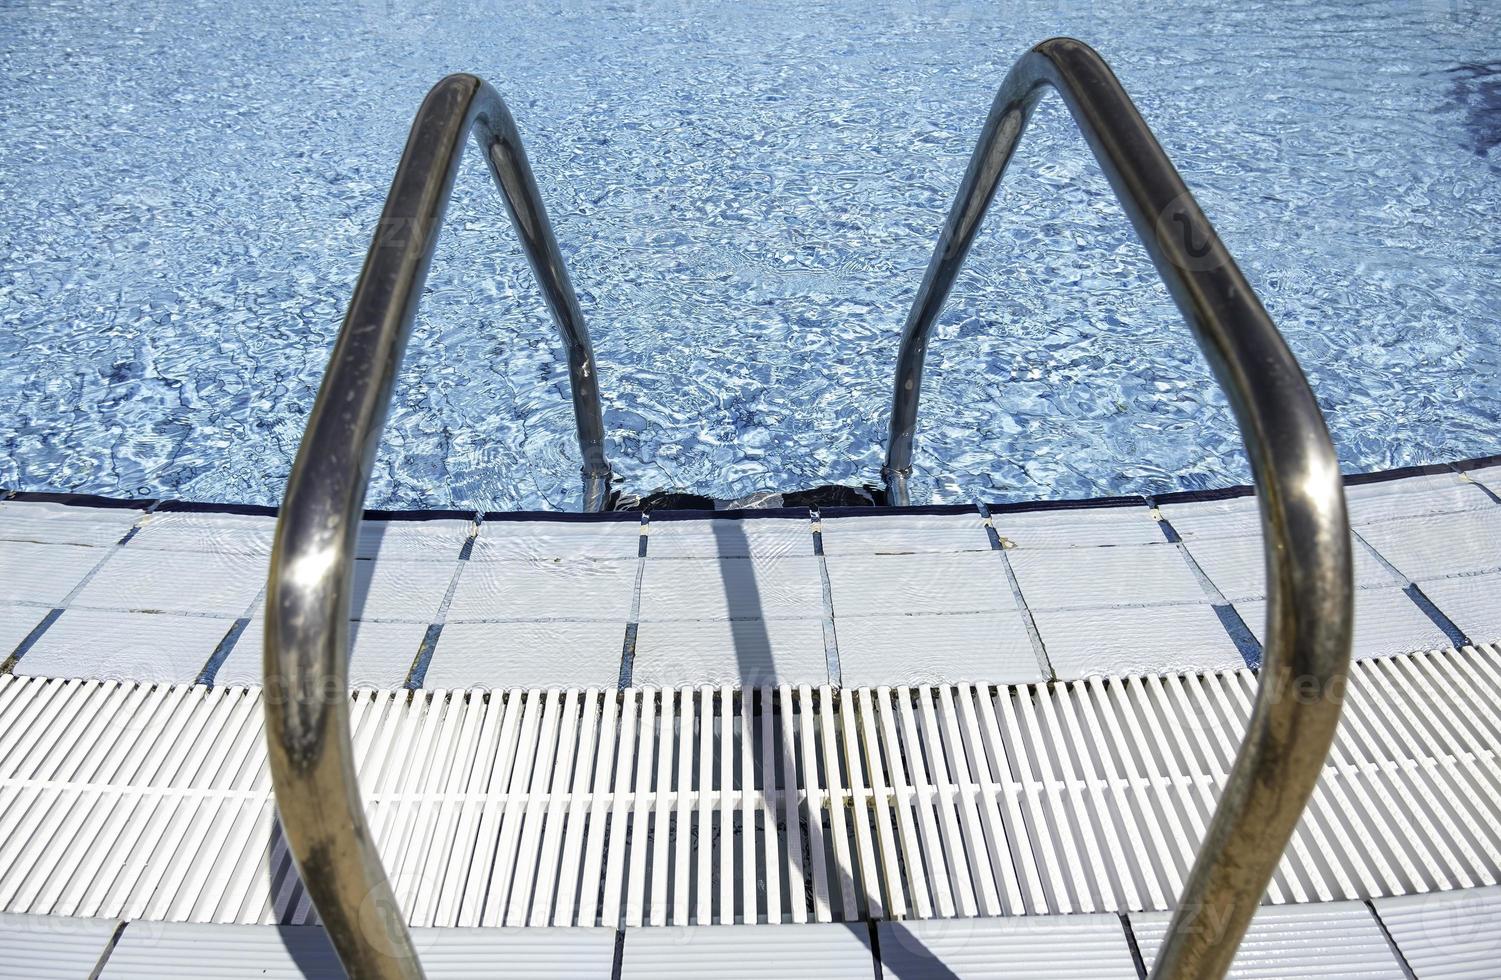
x: 1304, y: 526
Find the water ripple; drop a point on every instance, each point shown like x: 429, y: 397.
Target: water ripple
x: 746, y: 194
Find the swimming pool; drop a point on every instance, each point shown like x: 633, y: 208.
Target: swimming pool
x: 747, y: 195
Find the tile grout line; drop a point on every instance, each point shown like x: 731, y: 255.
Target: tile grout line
x: 29, y: 640
x: 830, y: 633
x: 1391, y: 941
x: 112, y: 551
x: 226, y: 645
x: 424, y: 652
x: 417, y: 673
x: 1039, y: 649
x: 9, y: 664
x: 1451, y: 630
x: 632, y: 626
x: 232, y: 636
x: 1234, y: 624
x: 109, y: 948
x: 1137, y: 960
x: 617, y: 958
x: 162, y: 613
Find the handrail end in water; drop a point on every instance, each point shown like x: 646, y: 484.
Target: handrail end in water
x: 897, y: 483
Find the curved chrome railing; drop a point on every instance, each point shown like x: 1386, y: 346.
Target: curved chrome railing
x: 312, y: 567
x: 1297, y: 479
x: 1301, y: 499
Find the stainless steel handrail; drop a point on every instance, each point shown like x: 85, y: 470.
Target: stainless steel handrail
x: 1302, y: 503
x: 308, y: 596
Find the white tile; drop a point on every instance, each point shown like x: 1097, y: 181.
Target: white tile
x: 104, y: 644
x: 44, y: 573
x: 433, y: 540
x: 763, y: 537
x: 1386, y: 622
x: 16, y: 623
x: 1237, y: 566
x: 254, y: 534
x: 572, y: 588
x: 743, y: 652
x: 1371, y: 503
x: 534, y: 953
x: 506, y: 540
x: 154, y: 950
x: 157, y: 950
x: 50, y: 523
x: 1078, y: 527
x: 1135, y: 640
x: 749, y: 952
x: 247, y: 534
x: 1453, y: 935
x: 1368, y: 570
x: 731, y: 588
x: 988, y: 648
x: 1232, y: 518
x: 411, y: 591
x: 52, y: 947
x: 1472, y: 602
x: 904, y: 534
x: 380, y: 654
x: 1414, y: 496
x: 925, y: 583
x: 1080, y: 578
x: 1011, y: 948
x: 555, y: 654
x: 1445, y: 544
x: 153, y: 581
x: 1329, y: 940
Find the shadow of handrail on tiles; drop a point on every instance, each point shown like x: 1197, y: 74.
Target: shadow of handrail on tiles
x: 756, y: 664
x: 312, y: 959
x: 754, y: 659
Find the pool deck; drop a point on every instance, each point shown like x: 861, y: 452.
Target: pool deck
x: 933, y: 742
x: 173, y: 592
x: 1438, y: 936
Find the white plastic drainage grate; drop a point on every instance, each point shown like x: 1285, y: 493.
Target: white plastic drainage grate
x: 708, y: 805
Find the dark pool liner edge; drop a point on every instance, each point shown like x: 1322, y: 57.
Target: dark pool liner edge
x: 1478, y: 463
x: 1202, y: 496
x: 79, y: 499
x: 1088, y: 503
x: 1401, y: 473
x: 565, y: 517
x: 740, y: 513
x: 968, y: 508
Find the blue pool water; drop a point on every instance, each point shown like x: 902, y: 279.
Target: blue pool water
x: 747, y: 194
